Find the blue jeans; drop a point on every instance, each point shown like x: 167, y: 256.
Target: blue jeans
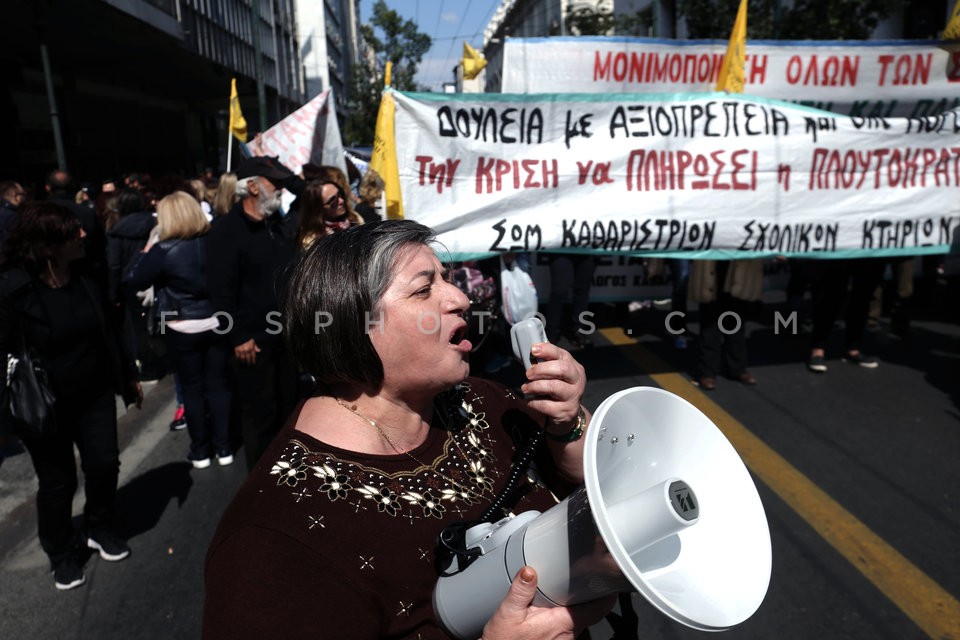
x: 201, y: 362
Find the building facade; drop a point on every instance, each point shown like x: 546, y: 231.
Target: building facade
x: 328, y: 35
x: 542, y: 18
x: 109, y: 86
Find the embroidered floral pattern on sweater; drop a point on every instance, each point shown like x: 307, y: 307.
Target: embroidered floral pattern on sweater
x: 463, y: 474
x: 289, y: 474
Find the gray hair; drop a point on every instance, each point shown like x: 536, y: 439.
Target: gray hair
x: 344, y: 276
x: 243, y: 188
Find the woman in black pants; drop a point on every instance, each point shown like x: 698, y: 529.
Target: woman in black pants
x: 831, y: 296
x: 62, y: 318
x: 176, y: 267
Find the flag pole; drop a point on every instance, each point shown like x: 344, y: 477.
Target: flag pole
x: 229, y: 147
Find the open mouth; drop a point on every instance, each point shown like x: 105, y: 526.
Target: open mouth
x: 459, y: 338
x: 458, y: 335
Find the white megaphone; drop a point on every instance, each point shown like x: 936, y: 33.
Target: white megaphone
x: 668, y: 509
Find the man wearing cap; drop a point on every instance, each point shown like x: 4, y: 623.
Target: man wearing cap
x: 249, y: 250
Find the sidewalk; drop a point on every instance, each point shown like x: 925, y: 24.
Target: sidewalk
x: 166, y: 509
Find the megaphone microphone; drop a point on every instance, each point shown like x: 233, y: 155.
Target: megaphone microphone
x: 667, y: 509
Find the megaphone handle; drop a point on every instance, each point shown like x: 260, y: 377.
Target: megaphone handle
x: 452, y: 544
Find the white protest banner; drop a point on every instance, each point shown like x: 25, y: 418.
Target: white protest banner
x: 707, y: 175
x: 309, y: 134
x: 859, y: 78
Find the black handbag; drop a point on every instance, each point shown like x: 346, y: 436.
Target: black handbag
x: 29, y: 400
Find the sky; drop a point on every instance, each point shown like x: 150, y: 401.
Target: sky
x: 449, y: 23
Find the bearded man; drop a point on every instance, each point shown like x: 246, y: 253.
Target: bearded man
x: 248, y: 252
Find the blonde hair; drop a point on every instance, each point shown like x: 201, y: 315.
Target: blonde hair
x: 226, y: 194
x: 371, y: 187
x: 179, y: 216
x: 199, y: 190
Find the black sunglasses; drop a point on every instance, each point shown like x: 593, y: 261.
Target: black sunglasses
x: 333, y: 199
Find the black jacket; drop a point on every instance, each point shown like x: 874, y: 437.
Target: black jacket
x: 246, y: 270
x: 20, y: 308
x: 177, y: 269
x: 125, y: 240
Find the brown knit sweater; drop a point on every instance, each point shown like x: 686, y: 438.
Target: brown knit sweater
x: 325, y: 543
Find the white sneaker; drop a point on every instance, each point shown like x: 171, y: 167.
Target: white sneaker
x: 203, y: 463
x: 111, y: 547
x: 225, y: 460
x: 68, y: 574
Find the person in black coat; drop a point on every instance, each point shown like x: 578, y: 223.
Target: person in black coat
x: 58, y: 313
x: 126, y: 238
x: 250, y: 250
x: 176, y: 267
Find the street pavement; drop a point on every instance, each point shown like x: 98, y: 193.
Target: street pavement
x: 168, y: 511
x: 867, y: 548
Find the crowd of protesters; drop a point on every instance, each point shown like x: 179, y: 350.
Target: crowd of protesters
x: 119, y: 283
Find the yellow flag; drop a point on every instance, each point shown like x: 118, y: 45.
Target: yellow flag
x: 952, y: 32
x: 384, y: 157
x: 731, y: 71
x: 238, y: 126
x: 473, y: 62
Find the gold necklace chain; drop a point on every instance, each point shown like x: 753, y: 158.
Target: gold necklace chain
x: 373, y: 423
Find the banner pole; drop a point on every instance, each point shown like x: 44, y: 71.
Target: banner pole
x: 229, y: 147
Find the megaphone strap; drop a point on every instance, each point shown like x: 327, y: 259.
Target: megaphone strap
x: 452, y: 541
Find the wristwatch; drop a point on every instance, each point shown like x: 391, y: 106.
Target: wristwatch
x: 574, y: 433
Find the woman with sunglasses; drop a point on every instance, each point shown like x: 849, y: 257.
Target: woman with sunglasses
x: 323, y: 210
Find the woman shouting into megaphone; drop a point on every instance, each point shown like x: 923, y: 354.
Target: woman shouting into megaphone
x: 334, y: 534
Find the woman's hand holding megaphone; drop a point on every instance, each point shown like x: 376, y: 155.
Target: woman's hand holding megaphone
x: 518, y: 619
x: 555, y: 384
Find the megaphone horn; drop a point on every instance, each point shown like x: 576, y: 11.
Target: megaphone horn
x: 667, y: 508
